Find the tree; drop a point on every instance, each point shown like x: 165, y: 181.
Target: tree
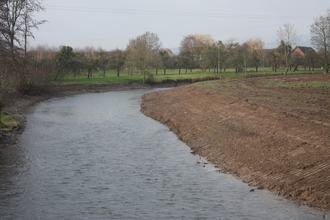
x: 263, y: 54
x: 92, y: 65
x: 185, y: 60
x: 297, y: 60
x: 189, y: 43
x: 103, y: 57
x: 196, y: 44
x: 89, y: 52
x: 274, y: 58
x: 40, y: 65
x: 234, y: 54
x: 246, y: 55
x: 254, y: 47
x: 209, y: 59
x: 214, y: 57
x: 16, y: 18
x: 117, y: 60
x: 64, y: 60
x: 221, y: 55
x: 311, y: 59
x: 320, y: 31
x: 143, y: 51
x: 78, y: 63
x: 287, y: 36
x: 31, y: 6
x: 2, y: 27
x: 165, y: 55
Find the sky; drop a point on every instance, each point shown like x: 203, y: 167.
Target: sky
x: 110, y: 24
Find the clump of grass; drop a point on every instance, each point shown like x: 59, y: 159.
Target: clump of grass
x: 7, y: 123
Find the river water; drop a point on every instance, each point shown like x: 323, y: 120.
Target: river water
x: 96, y: 156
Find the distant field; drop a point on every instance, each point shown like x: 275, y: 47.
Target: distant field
x: 112, y: 78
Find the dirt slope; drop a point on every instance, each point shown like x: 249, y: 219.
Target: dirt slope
x: 275, y: 137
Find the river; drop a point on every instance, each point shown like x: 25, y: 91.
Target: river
x: 96, y: 156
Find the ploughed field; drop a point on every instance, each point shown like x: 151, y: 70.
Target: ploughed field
x: 273, y: 132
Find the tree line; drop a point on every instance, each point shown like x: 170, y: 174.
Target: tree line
x: 26, y: 70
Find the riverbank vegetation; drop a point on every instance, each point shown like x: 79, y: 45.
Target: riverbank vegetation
x: 7, y: 123
x: 145, y: 60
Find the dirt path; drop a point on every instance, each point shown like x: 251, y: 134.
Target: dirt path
x: 275, y: 137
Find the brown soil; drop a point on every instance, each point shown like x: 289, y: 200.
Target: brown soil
x: 275, y: 137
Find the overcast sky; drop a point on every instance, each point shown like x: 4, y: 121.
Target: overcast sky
x: 111, y: 23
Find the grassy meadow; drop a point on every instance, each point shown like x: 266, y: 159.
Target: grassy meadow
x: 112, y: 78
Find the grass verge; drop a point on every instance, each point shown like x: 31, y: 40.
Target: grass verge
x: 7, y: 123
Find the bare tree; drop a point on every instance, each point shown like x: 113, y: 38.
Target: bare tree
x: 311, y: 59
x: 196, y: 44
x: 189, y: 43
x: 89, y: 52
x: 186, y: 61
x: 209, y: 59
x: 17, y: 22
x: 288, y: 37
x: 320, y: 31
x: 40, y: 66
x: 246, y: 56
x: 297, y: 60
x: 254, y: 47
x: 143, y: 51
x: 221, y: 55
x: 2, y: 26
x: 235, y: 58
x: 273, y: 57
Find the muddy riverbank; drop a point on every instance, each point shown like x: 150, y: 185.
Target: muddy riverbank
x: 275, y: 137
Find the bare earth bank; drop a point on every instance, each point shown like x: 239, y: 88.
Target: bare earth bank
x: 251, y: 132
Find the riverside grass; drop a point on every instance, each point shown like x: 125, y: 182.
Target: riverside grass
x: 171, y: 74
x: 7, y: 123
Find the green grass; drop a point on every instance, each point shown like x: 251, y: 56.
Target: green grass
x: 112, y: 78
x: 318, y: 84
x: 278, y: 83
x: 111, y: 75
x: 8, y: 123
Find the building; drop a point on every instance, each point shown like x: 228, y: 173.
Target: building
x: 301, y: 50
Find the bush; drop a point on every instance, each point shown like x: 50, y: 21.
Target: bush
x: 32, y: 89
x: 149, y: 78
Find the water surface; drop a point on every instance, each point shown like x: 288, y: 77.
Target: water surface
x: 96, y: 156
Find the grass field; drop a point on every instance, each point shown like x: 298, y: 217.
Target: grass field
x: 112, y: 78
